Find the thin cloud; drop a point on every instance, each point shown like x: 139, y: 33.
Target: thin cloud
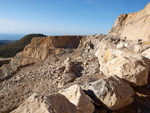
x: 13, y: 26
x: 5, y: 21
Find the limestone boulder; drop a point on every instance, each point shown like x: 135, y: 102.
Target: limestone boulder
x: 55, y: 103
x: 107, y: 51
x: 130, y: 69
x: 126, y: 64
x: 76, y: 96
x: 69, y: 77
x: 112, y: 92
x: 146, y: 53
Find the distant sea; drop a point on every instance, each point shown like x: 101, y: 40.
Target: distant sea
x: 4, y: 36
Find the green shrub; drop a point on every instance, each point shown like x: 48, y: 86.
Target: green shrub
x: 10, y: 50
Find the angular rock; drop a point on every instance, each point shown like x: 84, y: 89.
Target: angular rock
x: 120, y: 46
x: 130, y: 69
x: 137, y: 48
x: 69, y: 77
x: 68, y: 66
x: 125, y: 64
x: 76, y: 96
x: 55, y: 103
x: 146, y: 53
x: 112, y: 91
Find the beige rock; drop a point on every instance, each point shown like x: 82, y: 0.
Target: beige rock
x: 69, y: 77
x: 107, y: 51
x: 126, y: 45
x: 55, y: 103
x: 120, y: 46
x: 112, y: 91
x: 76, y: 96
x: 125, y: 64
x: 146, y: 53
x: 14, y: 64
x: 137, y: 48
x: 91, y: 43
x: 68, y: 65
x: 133, y: 26
x: 130, y: 69
x: 42, y: 47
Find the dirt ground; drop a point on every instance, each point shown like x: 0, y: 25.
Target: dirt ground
x: 43, y: 78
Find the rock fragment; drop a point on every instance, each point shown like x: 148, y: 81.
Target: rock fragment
x: 112, y: 92
x: 76, y: 96
x: 55, y: 103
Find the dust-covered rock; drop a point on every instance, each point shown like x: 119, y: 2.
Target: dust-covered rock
x: 112, y: 92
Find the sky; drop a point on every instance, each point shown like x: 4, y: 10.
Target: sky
x: 63, y: 17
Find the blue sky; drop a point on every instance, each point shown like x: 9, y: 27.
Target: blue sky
x: 63, y: 17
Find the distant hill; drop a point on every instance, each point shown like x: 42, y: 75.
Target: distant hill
x: 3, y: 42
x: 10, y: 50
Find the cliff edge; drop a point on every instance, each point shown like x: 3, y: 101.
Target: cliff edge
x: 133, y: 26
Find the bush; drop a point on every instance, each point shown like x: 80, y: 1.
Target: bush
x: 10, y: 50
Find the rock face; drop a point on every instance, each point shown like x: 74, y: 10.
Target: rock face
x: 133, y: 26
x: 76, y: 96
x: 55, y: 103
x: 113, y: 92
x: 41, y: 47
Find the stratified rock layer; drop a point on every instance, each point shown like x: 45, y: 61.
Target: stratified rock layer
x: 133, y: 26
x: 41, y: 47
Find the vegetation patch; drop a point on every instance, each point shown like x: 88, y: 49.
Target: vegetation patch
x: 11, y: 49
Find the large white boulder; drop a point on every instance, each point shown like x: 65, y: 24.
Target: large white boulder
x: 127, y: 65
x: 76, y: 96
x: 112, y: 91
x: 130, y: 69
x: 55, y: 103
